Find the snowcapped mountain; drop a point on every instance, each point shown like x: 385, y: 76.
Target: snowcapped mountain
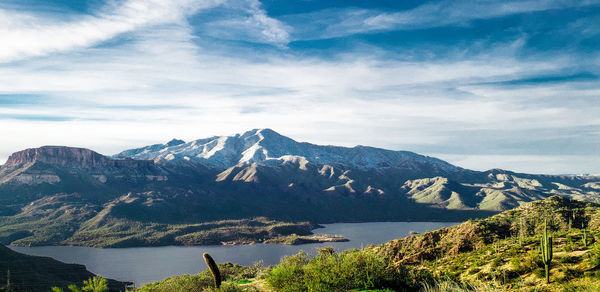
x: 265, y: 146
x: 257, y: 173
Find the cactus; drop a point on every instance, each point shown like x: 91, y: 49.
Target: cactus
x: 8, y: 280
x: 496, y: 246
x: 521, y: 231
x: 214, y: 269
x: 584, y: 235
x: 546, y: 249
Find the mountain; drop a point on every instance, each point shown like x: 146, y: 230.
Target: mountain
x: 33, y: 273
x: 266, y: 146
x: 155, y: 194
x: 32, y: 173
x: 264, y: 155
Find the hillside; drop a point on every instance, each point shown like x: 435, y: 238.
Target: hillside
x: 32, y: 273
x: 160, y: 194
x: 499, y: 253
x: 503, y: 251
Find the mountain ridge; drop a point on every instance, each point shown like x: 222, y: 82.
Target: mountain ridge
x: 54, y: 195
x: 259, y: 145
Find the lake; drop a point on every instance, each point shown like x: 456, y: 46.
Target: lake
x: 148, y: 264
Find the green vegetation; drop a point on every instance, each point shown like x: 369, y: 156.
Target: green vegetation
x: 235, y: 278
x: 95, y: 284
x: 295, y: 239
x: 75, y: 223
x: 351, y: 269
x: 504, y: 252
x: 358, y: 270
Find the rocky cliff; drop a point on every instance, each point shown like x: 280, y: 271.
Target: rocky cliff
x: 72, y: 157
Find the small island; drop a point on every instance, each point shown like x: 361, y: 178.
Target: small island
x: 295, y: 239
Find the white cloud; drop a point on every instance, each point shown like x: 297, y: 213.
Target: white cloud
x: 27, y: 35
x: 342, y: 22
x: 451, y: 12
x: 249, y: 22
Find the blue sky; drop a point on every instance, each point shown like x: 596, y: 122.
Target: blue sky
x: 481, y: 84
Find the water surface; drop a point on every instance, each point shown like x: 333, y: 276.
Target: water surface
x: 148, y: 264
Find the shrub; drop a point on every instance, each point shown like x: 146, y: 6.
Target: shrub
x: 496, y: 262
x: 348, y: 270
x: 225, y: 287
x: 95, y: 284
x: 515, y: 263
x: 572, y: 274
x: 569, y: 259
x: 447, y: 286
x: 581, y: 287
x: 351, y: 269
x: 289, y: 274
x: 568, y: 247
x: 180, y: 283
x: 594, y: 255
x: 539, y: 272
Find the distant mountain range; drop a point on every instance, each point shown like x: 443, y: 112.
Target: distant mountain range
x: 52, y: 194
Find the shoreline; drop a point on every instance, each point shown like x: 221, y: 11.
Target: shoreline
x: 305, y: 237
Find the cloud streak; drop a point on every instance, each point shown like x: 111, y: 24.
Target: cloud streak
x: 249, y: 23
x: 29, y: 35
x: 335, y: 23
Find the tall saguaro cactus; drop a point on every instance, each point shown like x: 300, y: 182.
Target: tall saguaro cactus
x: 584, y: 235
x: 546, y: 249
x: 214, y: 269
x: 521, y: 231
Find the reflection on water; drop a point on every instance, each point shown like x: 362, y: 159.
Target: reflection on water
x: 149, y: 264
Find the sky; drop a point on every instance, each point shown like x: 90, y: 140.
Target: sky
x: 480, y: 84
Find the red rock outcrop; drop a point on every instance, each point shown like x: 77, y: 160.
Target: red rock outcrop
x: 72, y: 157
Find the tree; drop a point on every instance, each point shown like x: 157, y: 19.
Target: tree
x: 95, y: 284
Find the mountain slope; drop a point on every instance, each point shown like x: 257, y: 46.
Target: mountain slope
x: 49, y: 195
x: 32, y: 273
x: 503, y: 249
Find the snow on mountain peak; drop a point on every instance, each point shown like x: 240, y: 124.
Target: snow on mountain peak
x: 266, y: 145
x: 174, y: 142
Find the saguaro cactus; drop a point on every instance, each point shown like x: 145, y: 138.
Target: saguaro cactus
x: 521, y: 231
x: 546, y: 249
x: 214, y: 269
